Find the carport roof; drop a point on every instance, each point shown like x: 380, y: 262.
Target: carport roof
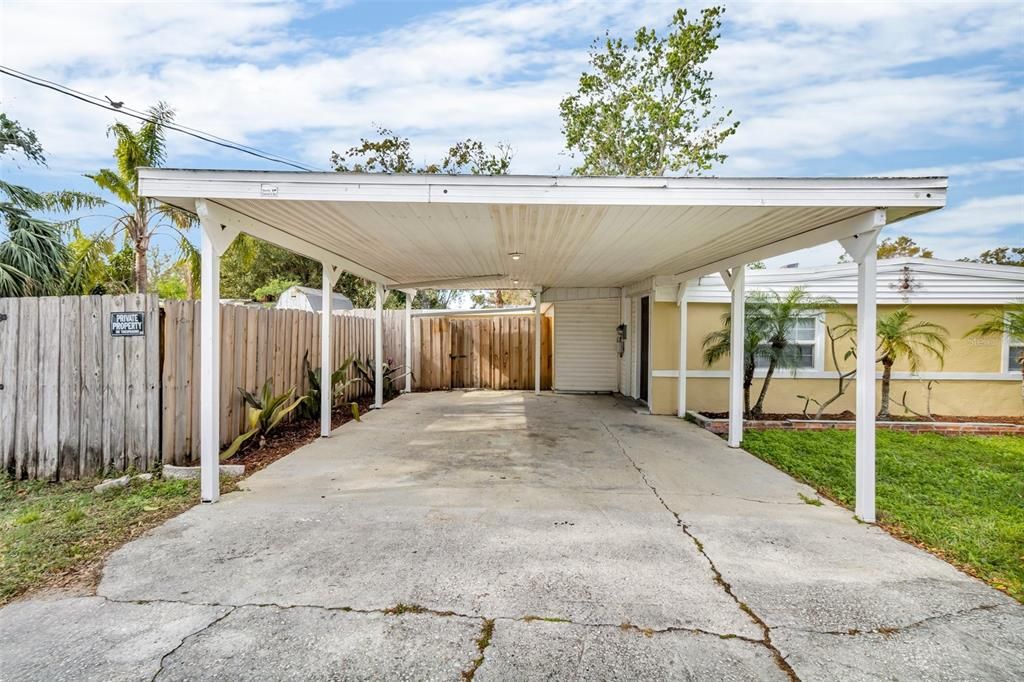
x: 463, y: 231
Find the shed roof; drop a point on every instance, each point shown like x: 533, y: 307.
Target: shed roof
x: 315, y: 298
x: 478, y: 232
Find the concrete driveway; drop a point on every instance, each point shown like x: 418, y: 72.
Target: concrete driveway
x: 512, y: 537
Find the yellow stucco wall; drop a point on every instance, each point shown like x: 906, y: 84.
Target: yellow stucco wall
x: 948, y: 396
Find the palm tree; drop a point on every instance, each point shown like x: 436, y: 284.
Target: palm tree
x: 1000, y: 321
x: 899, y: 336
x: 144, y: 217
x: 32, y: 251
x: 717, y: 345
x: 778, y: 315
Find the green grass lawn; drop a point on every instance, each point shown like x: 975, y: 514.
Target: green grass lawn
x: 49, y: 529
x: 960, y: 496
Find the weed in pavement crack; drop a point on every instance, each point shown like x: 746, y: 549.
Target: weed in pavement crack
x: 482, y: 642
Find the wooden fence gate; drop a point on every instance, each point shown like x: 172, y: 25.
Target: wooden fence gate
x: 493, y: 352
x: 75, y: 399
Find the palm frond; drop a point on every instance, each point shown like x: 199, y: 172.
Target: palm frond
x: 115, y: 184
x: 67, y: 200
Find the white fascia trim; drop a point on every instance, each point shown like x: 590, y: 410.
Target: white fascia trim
x: 656, y: 191
x: 817, y: 374
x: 884, y: 298
x: 867, y: 222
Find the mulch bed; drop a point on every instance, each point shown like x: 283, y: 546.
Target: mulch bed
x: 850, y: 416
x: 289, y: 437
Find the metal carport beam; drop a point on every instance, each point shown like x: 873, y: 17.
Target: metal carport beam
x: 233, y: 222
x: 863, y: 249
x: 866, y: 222
x: 735, y: 279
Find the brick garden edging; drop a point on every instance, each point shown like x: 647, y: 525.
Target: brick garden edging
x: 721, y: 426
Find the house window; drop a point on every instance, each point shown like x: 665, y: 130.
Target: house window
x: 802, y: 336
x: 1014, y: 354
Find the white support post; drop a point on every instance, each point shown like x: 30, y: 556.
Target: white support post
x: 409, y: 295
x: 378, y: 348
x: 863, y: 248
x: 737, y: 282
x: 209, y: 364
x: 681, y: 381
x: 536, y: 341
x: 326, y: 388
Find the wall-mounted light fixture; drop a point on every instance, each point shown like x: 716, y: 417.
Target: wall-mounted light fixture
x: 515, y: 255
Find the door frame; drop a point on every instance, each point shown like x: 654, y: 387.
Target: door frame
x: 644, y: 374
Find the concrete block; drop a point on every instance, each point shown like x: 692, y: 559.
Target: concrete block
x: 111, y: 484
x: 171, y: 472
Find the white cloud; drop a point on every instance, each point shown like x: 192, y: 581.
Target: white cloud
x: 981, y: 216
x: 966, y: 173
x: 811, y: 82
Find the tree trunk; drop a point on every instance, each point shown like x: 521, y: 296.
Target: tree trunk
x: 141, y: 268
x: 759, y: 405
x: 886, y: 379
x: 748, y: 380
x: 839, y: 393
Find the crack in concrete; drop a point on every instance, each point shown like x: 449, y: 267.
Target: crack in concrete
x: 888, y: 630
x: 396, y: 610
x: 482, y: 642
x: 163, y: 659
x: 766, y: 640
x: 403, y: 609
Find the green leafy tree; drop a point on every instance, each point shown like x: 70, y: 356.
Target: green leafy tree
x: 1008, y: 321
x: 1004, y: 255
x: 32, y: 251
x: 897, y: 247
x: 272, y: 290
x: 391, y: 153
x: 901, y: 337
x: 501, y: 298
x: 141, y: 218
x: 902, y: 246
x: 647, y: 108
x: 774, y: 316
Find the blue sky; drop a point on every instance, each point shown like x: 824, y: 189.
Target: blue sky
x: 820, y: 88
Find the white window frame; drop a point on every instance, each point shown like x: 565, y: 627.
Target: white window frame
x: 819, y: 351
x: 1004, y: 355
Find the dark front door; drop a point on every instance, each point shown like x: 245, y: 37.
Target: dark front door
x: 645, y: 348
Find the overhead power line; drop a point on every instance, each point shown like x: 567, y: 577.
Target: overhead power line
x: 119, y: 108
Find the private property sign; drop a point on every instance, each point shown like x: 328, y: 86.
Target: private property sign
x: 128, y: 324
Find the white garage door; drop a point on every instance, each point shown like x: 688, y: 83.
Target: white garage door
x: 586, y: 349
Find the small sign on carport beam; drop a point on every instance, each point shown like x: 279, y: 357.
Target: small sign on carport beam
x: 128, y: 324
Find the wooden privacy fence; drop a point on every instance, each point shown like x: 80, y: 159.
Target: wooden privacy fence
x: 75, y: 400
x: 256, y: 345
x: 493, y: 352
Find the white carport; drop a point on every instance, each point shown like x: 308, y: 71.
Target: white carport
x: 542, y: 233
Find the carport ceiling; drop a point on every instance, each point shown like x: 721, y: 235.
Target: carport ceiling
x: 462, y: 231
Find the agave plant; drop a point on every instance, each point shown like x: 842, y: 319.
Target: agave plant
x: 310, y: 408
x: 265, y: 412
x: 391, y: 373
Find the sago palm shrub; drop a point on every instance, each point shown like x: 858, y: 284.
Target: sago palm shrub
x: 901, y: 336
